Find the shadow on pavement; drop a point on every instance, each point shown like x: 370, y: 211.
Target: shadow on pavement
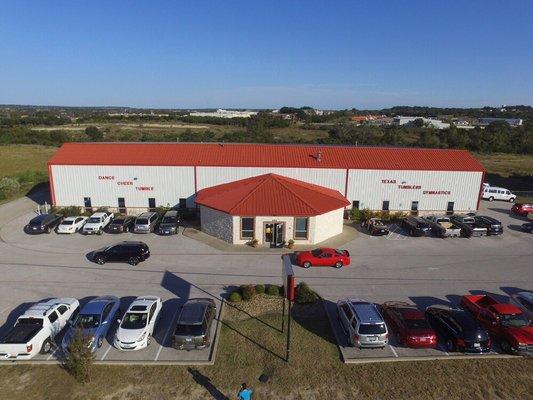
x: 313, y: 318
x: 423, y: 302
x: 12, y: 317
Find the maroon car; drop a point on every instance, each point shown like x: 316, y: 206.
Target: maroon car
x: 522, y: 209
x: 409, y: 324
x: 323, y: 257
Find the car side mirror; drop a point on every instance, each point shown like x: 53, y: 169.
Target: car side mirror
x: 119, y: 320
x: 104, y: 322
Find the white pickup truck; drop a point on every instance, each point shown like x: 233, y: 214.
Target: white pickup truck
x: 35, y: 330
x: 97, y: 222
x: 443, y: 227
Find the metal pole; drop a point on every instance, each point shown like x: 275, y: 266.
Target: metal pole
x: 283, y: 316
x: 289, y: 332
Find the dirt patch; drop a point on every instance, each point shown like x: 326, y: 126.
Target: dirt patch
x: 260, y: 304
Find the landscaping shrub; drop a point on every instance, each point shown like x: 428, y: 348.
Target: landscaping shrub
x: 355, y: 215
x: 365, y: 214
x: 9, y: 186
x: 260, y: 289
x: 79, y: 359
x: 248, y: 292
x: 304, y: 294
x: 235, y: 297
x: 71, y: 211
x: 273, y: 290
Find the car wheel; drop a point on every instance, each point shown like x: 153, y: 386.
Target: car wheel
x: 134, y: 261
x: 506, y: 347
x: 99, y: 231
x: 411, y: 232
x: 306, y: 264
x: 511, y: 200
x: 100, y: 342
x: 450, y: 345
x: 46, y: 347
x: 47, y: 230
x: 149, y: 340
x: 338, y: 264
x: 491, y: 198
x: 99, y: 260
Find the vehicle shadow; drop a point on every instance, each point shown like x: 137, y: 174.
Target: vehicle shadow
x: 90, y: 256
x: 204, y: 381
x: 516, y: 228
x: 505, y: 211
x: 124, y: 304
x: 510, y: 290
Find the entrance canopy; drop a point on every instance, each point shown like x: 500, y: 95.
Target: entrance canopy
x: 271, y: 194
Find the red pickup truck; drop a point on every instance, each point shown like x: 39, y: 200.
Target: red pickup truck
x: 506, y: 322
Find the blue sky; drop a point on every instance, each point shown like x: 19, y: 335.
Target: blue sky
x: 326, y: 54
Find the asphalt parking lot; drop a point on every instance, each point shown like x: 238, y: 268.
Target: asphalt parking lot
x: 423, y: 271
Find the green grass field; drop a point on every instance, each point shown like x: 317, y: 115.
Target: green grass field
x: 15, y: 159
x: 507, y: 164
x: 251, y: 346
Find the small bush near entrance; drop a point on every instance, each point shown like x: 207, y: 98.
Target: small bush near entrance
x: 248, y: 292
x: 260, y: 289
x: 72, y: 211
x: 79, y: 360
x: 304, y: 295
x: 273, y: 290
x: 235, y: 297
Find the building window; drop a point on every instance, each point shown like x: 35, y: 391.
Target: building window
x: 183, y: 203
x: 449, y: 208
x: 301, y: 226
x: 121, y: 205
x: 151, y: 204
x: 87, y: 204
x: 247, y: 227
x: 385, y: 206
x: 355, y: 205
x: 414, y: 207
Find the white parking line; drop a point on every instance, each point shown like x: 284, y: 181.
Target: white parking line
x: 166, y: 335
x: 394, y: 351
x: 105, y: 354
x: 52, y: 354
x: 443, y: 349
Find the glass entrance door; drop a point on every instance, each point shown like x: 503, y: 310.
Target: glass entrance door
x: 274, y: 233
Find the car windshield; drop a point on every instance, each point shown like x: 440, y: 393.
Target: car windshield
x: 67, y: 222
x: 93, y: 220
x: 142, y: 221
x: 316, y: 252
x: 118, y: 221
x: 87, y: 321
x: 372, y: 329
x: 417, y: 324
x: 514, y: 321
x: 36, y: 222
x: 134, y: 321
x: 189, y: 330
x: 340, y: 252
x: 169, y: 220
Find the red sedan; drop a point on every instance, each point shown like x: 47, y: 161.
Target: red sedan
x: 323, y: 257
x: 409, y: 324
x: 522, y: 209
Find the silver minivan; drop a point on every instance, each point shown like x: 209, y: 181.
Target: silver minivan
x: 362, y: 323
x: 145, y: 222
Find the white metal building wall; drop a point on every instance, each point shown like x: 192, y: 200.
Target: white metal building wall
x: 372, y: 187
x: 330, y: 178
x: 105, y: 184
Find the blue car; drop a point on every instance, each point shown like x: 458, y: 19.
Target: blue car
x: 95, y: 319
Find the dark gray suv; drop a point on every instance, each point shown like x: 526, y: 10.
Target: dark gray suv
x: 193, y: 329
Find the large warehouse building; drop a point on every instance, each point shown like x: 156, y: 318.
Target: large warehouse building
x: 133, y: 177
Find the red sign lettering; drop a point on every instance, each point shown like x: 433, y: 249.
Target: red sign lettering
x: 445, y: 192
x: 145, y: 188
x: 125, y: 183
x: 416, y: 187
x: 388, y: 181
x: 106, y: 177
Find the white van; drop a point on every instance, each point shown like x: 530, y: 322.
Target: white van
x: 496, y: 193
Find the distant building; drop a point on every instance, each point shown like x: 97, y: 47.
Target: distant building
x: 431, y: 122
x: 514, y: 122
x: 220, y: 113
x: 365, y: 118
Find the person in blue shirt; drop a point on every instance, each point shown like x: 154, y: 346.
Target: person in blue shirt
x: 244, y: 393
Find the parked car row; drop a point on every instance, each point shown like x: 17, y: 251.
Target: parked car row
x: 101, y: 222
x: 35, y: 331
x: 473, y: 328
x: 439, y: 225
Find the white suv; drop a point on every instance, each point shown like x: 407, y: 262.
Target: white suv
x: 496, y: 193
x: 362, y: 323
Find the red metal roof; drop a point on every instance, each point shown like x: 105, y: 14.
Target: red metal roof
x: 271, y: 194
x: 265, y: 155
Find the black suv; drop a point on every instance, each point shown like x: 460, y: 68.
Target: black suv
x: 416, y: 226
x: 43, y: 223
x: 193, y: 329
x: 494, y: 227
x: 169, y: 223
x: 458, y: 329
x: 130, y: 252
x: 122, y: 223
